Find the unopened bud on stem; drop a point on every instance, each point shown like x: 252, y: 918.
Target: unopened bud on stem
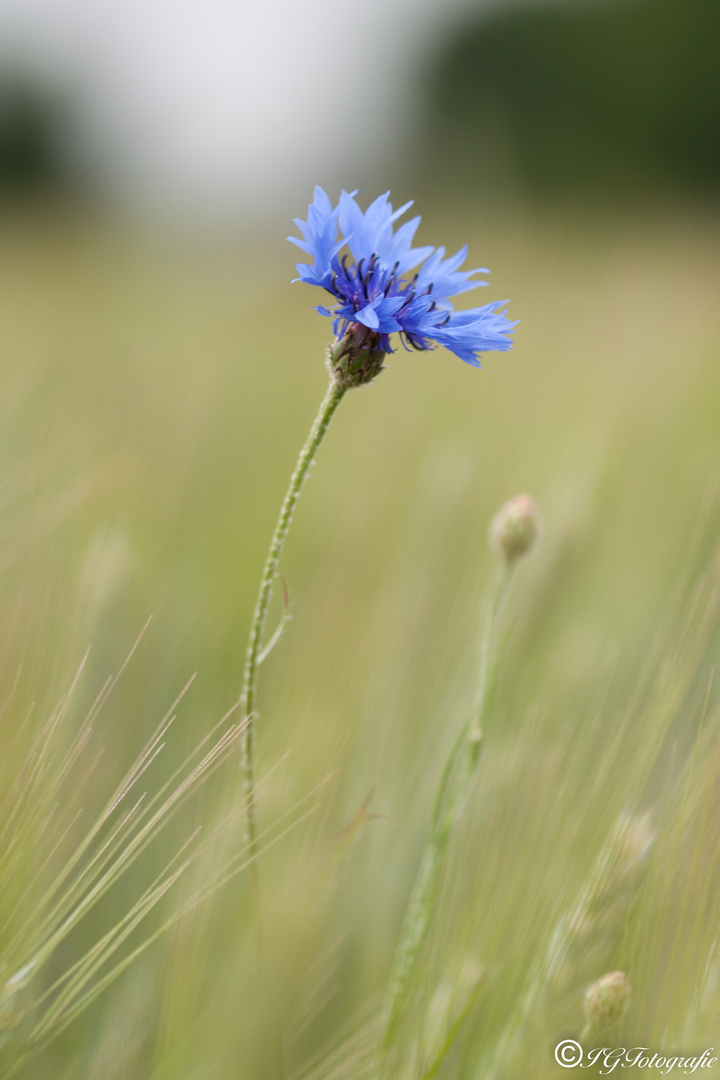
x: 606, y: 1001
x: 515, y: 529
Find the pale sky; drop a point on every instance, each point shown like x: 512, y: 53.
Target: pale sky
x: 228, y: 104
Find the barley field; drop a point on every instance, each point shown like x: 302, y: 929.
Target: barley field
x: 156, y: 391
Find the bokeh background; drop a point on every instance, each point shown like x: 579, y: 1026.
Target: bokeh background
x: 225, y: 110
x: 159, y: 373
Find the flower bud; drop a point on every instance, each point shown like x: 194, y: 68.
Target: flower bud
x: 356, y: 357
x: 515, y: 529
x: 606, y: 1001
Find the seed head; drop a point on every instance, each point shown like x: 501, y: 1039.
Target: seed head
x: 515, y: 529
x: 607, y: 1000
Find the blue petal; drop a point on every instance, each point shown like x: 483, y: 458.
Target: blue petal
x: 470, y: 333
x: 396, y: 250
x: 368, y: 316
x: 319, y: 238
x: 379, y: 314
x: 443, y: 278
x: 371, y: 233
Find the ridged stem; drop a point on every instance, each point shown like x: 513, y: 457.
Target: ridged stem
x: 248, y: 694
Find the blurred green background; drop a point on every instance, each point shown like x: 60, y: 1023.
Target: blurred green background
x: 157, y: 387
x: 155, y: 397
x: 604, y: 99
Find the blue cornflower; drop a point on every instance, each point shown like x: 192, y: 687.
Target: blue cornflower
x: 383, y: 285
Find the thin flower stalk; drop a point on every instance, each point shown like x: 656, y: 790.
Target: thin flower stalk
x: 248, y: 695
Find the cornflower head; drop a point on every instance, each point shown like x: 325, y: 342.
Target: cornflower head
x: 383, y: 286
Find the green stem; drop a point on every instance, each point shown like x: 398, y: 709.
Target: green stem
x: 452, y: 791
x: 248, y: 694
